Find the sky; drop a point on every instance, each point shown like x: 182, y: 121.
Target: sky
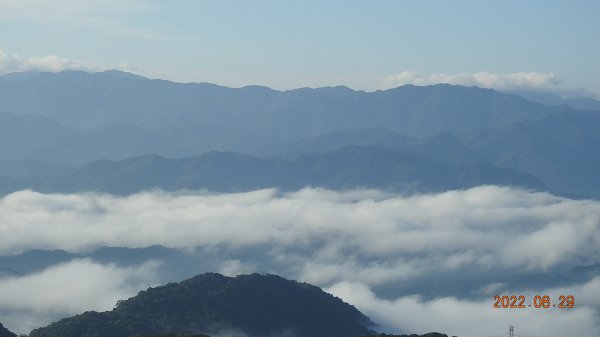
x: 539, y: 45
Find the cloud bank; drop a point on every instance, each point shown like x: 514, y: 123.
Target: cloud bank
x: 67, y: 289
x: 50, y: 63
x: 465, y: 317
x: 398, y: 258
x: 526, y: 81
x: 485, y: 226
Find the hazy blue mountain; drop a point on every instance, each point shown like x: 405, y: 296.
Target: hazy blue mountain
x: 4, y: 332
x: 193, y: 139
x: 348, y: 167
x: 11, y: 184
x: 376, y: 167
x: 215, y: 171
x: 34, y: 260
x: 581, y: 103
x: 37, y: 143
x: 258, y: 305
x: 444, y: 147
x: 28, y: 168
x: 71, y: 118
x: 7, y: 272
x: 36, y: 137
x: 122, y: 140
x: 327, y: 142
x: 82, y: 100
x: 563, y: 151
x: 177, y: 265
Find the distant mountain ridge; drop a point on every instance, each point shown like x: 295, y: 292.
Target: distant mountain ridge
x: 38, y: 138
x: 581, y: 103
x: 444, y: 147
x: 72, y: 118
x: 257, y: 305
x: 345, y: 168
x: 563, y: 151
x: 82, y: 100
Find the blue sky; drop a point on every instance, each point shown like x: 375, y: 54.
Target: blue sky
x: 546, y: 45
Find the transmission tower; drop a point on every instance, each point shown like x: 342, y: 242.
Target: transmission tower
x: 511, y: 331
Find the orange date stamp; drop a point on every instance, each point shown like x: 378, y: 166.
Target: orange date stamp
x: 539, y: 302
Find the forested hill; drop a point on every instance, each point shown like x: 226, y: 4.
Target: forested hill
x: 431, y: 334
x: 4, y: 332
x: 257, y: 305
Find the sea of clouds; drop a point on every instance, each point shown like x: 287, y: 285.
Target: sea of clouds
x: 351, y: 243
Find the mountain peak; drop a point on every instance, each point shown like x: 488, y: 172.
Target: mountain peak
x: 256, y: 304
x: 115, y: 73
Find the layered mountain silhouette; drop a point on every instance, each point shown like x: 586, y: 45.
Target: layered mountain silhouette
x: 345, y: 168
x: 40, y: 139
x: 81, y: 100
x: 444, y: 147
x: 54, y: 123
x: 581, y: 103
x: 256, y: 305
x: 563, y: 151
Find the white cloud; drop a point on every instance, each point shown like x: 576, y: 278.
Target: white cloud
x: 50, y: 63
x: 470, y: 318
x: 499, y: 81
x: 68, y: 289
x: 484, y: 226
x: 8, y: 63
x: 355, y: 242
x: 53, y: 63
x: 236, y: 267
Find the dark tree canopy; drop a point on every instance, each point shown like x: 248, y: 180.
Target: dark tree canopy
x: 257, y: 305
x: 4, y: 332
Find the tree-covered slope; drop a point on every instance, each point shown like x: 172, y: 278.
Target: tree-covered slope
x: 564, y: 151
x: 258, y: 305
x: 4, y: 332
x: 430, y: 334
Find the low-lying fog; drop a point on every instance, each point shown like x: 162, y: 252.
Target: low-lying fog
x: 412, y: 263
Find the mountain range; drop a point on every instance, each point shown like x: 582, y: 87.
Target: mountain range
x: 72, y: 131
x: 88, y: 101
x: 348, y: 167
x: 578, y: 102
